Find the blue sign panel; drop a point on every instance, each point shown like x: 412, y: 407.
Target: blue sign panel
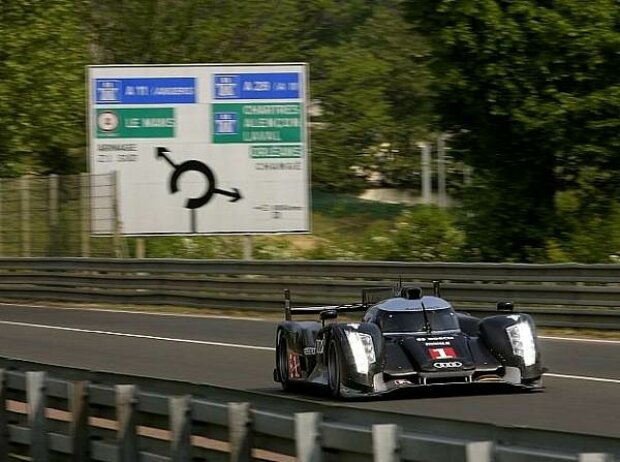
x: 164, y: 90
x: 281, y: 85
x: 226, y: 123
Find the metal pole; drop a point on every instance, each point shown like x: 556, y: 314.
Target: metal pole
x: 426, y: 172
x: 140, y: 247
x: 441, y: 170
x: 247, y: 247
x: 85, y: 213
x: 53, y: 239
x: 468, y: 171
x: 116, y: 237
x: 25, y: 215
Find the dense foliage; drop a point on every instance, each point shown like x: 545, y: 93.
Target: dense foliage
x: 530, y: 89
x: 527, y: 90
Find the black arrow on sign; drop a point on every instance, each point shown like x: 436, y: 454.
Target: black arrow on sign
x: 196, y: 166
x: 161, y: 152
x: 235, y: 194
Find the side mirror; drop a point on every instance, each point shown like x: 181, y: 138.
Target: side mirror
x: 328, y: 314
x: 505, y: 306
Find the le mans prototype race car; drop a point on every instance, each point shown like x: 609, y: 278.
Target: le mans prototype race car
x: 405, y: 340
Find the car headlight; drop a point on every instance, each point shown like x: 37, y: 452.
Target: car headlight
x: 522, y: 341
x: 363, y: 350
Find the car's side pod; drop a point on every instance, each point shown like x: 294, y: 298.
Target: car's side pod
x: 513, y: 340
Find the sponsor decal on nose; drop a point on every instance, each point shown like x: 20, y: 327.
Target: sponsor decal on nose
x: 442, y: 353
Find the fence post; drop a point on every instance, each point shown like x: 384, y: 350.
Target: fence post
x: 127, y: 440
x: 308, y: 436
x: 116, y: 236
x: 140, y: 247
x: 79, y: 431
x: 35, y: 392
x: 24, y: 192
x: 53, y: 238
x: 85, y: 213
x: 479, y: 451
x: 4, y: 424
x: 248, y: 246
x: 181, y: 428
x: 240, y: 432
x: 385, y: 444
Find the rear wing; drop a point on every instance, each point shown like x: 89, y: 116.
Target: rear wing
x: 343, y: 308
x: 370, y: 296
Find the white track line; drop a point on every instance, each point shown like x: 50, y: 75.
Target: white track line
x: 586, y: 340
x: 582, y: 377
x: 150, y: 313
x: 148, y: 337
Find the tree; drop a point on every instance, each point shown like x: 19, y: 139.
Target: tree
x: 531, y: 89
x: 42, y: 58
x: 374, y: 93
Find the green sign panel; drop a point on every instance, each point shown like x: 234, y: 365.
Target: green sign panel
x: 257, y: 123
x: 278, y: 151
x: 155, y: 122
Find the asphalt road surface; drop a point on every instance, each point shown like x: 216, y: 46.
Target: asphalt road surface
x: 582, y: 387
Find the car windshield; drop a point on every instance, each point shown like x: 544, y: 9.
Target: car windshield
x: 413, y: 321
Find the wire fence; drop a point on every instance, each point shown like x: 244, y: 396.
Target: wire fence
x: 71, y: 215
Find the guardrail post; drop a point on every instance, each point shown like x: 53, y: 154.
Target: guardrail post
x: 4, y: 429
x: 385, y: 444
x: 308, y: 436
x: 78, y: 429
x: 35, y: 392
x: 127, y: 440
x: 240, y: 432
x: 479, y: 451
x: 180, y: 428
x: 595, y: 457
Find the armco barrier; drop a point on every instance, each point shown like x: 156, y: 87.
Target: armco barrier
x: 567, y: 295
x: 98, y: 416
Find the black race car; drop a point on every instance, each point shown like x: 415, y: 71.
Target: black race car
x: 405, y: 339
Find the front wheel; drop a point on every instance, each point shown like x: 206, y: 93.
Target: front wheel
x: 334, y: 369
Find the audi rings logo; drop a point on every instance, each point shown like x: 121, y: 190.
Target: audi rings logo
x: 451, y: 365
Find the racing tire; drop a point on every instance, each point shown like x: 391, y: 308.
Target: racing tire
x: 282, y: 361
x: 334, y: 369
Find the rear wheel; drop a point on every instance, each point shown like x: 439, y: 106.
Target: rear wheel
x: 334, y: 368
x: 282, y: 361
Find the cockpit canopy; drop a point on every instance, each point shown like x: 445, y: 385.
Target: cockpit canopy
x: 399, y: 315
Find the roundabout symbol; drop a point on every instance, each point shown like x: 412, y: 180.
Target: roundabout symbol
x: 195, y: 166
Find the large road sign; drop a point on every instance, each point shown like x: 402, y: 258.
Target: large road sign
x: 203, y: 149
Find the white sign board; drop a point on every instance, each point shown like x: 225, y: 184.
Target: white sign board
x: 203, y: 149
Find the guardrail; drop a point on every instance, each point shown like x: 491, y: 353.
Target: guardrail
x: 93, y: 417
x: 566, y: 295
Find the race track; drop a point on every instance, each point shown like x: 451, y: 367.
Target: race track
x: 582, y: 394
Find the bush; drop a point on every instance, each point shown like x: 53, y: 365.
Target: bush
x: 423, y: 233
